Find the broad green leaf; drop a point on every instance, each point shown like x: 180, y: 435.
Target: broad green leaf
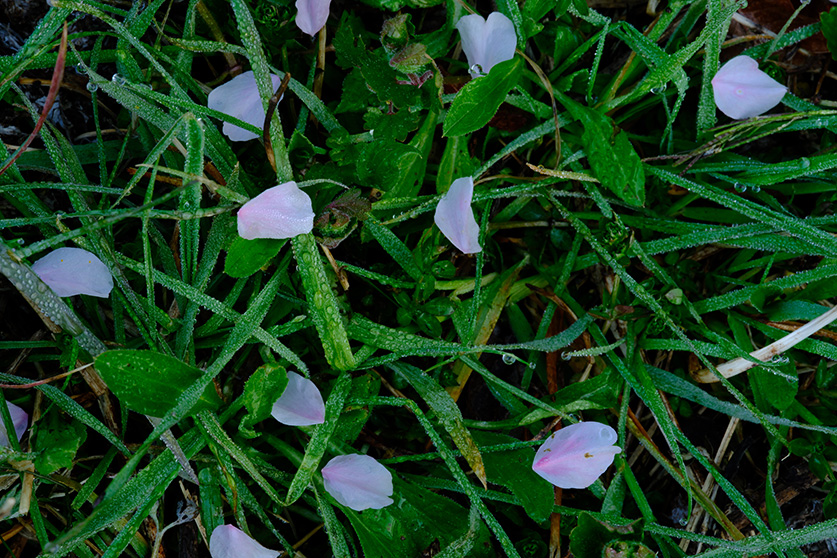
x: 245, y: 257
x: 611, y: 155
x: 261, y: 391
x: 478, y: 101
x: 591, y: 535
x: 409, y: 525
x: 150, y: 383
x: 387, y: 164
x: 513, y: 469
x: 57, y: 442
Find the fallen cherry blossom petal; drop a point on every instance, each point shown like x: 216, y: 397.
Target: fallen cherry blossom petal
x: 576, y: 455
x: 283, y: 211
x: 240, y: 98
x: 72, y: 271
x: 20, y: 419
x: 311, y: 15
x: 486, y: 42
x: 358, y: 482
x: 455, y: 218
x: 301, y: 404
x: 228, y: 541
x: 742, y: 90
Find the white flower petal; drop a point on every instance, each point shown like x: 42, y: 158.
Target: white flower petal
x: 301, y: 404
x: 358, y: 482
x: 72, y: 271
x: 311, y: 15
x: 20, y: 419
x: 240, y: 98
x: 575, y: 456
x: 741, y: 90
x: 283, y: 211
x: 228, y: 541
x: 486, y: 43
x: 455, y: 218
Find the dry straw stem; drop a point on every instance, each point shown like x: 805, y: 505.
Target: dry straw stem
x: 739, y: 365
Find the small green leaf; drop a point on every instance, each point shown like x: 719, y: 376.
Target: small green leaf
x: 829, y: 29
x: 246, y: 257
x: 150, y: 383
x: 477, y: 103
x: 590, y: 538
x: 606, y: 145
x: 57, y: 442
x: 261, y: 391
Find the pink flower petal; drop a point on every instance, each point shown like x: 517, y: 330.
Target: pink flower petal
x: 311, y: 15
x: 455, y: 218
x: 575, y: 456
x: 283, y: 211
x: 72, y: 271
x: 228, y: 541
x: 20, y: 419
x: 358, y: 482
x: 743, y: 91
x: 486, y: 42
x: 240, y: 98
x: 300, y: 404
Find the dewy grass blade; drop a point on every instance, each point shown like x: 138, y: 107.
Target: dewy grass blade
x: 322, y: 303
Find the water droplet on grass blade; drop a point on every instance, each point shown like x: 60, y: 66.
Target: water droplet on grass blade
x: 92, y: 87
x: 508, y: 358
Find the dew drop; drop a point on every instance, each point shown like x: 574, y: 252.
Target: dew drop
x: 755, y: 189
x: 740, y: 187
x: 476, y: 69
x: 508, y: 358
x: 566, y: 356
x: 92, y: 87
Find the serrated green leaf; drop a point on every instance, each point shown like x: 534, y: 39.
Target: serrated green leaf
x: 150, y: 383
x: 610, y: 153
x: 477, y: 103
x: 57, y: 442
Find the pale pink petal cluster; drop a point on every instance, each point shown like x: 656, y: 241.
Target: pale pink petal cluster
x: 301, y: 404
x: 742, y: 90
x: 576, y: 455
x: 455, y: 218
x: 20, y: 419
x: 358, y: 482
x: 240, y: 98
x: 283, y: 211
x: 311, y: 15
x: 228, y: 541
x: 486, y: 42
x: 72, y: 271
